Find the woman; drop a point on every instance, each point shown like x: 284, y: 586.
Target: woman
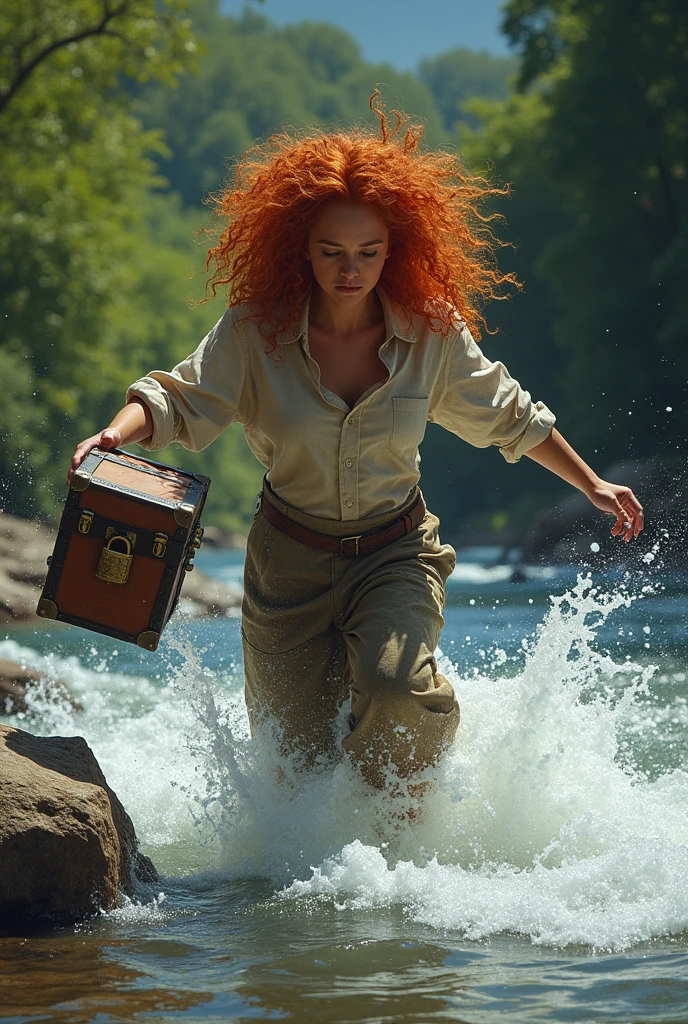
x: 356, y: 266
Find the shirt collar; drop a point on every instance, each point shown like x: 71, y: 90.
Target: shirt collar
x: 397, y: 324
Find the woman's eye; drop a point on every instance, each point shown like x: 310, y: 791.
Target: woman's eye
x: 333, y: 255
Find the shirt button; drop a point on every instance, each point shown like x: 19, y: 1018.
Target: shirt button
x: 349, y: 463
x: 349, y: 502
x: 351, y: 420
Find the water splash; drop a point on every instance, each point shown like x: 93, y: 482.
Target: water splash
x: 543, y: 819
x: 540, y: 824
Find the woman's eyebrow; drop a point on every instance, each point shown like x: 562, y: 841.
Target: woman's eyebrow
x: 338, y: 245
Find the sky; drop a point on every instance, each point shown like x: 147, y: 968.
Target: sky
x: 398, y: 32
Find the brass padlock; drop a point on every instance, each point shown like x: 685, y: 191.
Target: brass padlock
x: 116, y: 557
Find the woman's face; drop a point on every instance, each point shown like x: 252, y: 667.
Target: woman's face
x: 347, y: 246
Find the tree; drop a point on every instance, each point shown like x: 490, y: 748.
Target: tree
x: 614, y: 79
x: 74, y: 168
x: 459, y: 76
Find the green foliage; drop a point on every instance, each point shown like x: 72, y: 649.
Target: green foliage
x: 459, y: 76
x: 256, y: 78
x: 99, y: 268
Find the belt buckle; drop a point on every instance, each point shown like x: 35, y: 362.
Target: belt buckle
x: 357, y: 546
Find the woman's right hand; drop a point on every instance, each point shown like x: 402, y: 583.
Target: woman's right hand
x: 111, y: 437
x: 132, y: 424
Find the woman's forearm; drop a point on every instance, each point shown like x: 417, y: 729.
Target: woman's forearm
x: 134, y: 423
x: 557, y: 455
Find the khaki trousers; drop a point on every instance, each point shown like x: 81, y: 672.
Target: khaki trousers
x: 319, y: 627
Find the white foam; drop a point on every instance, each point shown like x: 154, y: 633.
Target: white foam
x: 137, y: 912
x: 474, y: 572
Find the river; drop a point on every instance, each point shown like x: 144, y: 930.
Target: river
x: 545, y: 880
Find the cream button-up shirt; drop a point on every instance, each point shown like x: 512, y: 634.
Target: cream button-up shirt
x: 323, y: 457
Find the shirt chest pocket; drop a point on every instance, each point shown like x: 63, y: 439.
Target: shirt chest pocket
x: 409, y: 419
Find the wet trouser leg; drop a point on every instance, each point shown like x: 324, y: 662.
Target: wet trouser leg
x: 317, y: 627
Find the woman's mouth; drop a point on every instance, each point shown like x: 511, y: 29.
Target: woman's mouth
x: 348, y: 287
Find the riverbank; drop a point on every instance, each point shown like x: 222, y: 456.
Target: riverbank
x: 26, y: 544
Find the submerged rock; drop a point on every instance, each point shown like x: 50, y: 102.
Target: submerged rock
x: 16, y: 681
x: 204, y: 596
x: 216, y: 537
x: 67, y: 846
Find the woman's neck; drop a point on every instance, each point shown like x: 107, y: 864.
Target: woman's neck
x: 344, y: 322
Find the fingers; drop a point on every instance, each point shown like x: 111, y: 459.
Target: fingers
x: 79, y: 455
x: 629, y: 515
x: 632, y: 510
x: 620, y: 527
x: 107, y: 439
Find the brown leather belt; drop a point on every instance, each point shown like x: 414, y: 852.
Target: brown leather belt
x: 351, y: 547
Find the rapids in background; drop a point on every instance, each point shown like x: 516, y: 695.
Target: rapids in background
x: 559, y: 818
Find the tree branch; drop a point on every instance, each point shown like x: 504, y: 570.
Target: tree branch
x: 25, y: 70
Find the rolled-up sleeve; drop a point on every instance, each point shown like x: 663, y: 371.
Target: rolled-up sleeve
x: 480, y: 402
x: 202, y: 395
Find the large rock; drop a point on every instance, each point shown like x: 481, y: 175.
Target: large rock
x: 67, y: 846
x: 24, y: 548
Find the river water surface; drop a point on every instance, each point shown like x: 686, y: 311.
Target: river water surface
x: 546, y: 878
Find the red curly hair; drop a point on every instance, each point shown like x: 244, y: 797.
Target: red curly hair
x: 442, y: 260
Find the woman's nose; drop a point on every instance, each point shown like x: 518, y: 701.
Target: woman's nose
x: 349, y: 270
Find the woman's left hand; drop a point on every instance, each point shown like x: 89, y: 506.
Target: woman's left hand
x: 620, y: 502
